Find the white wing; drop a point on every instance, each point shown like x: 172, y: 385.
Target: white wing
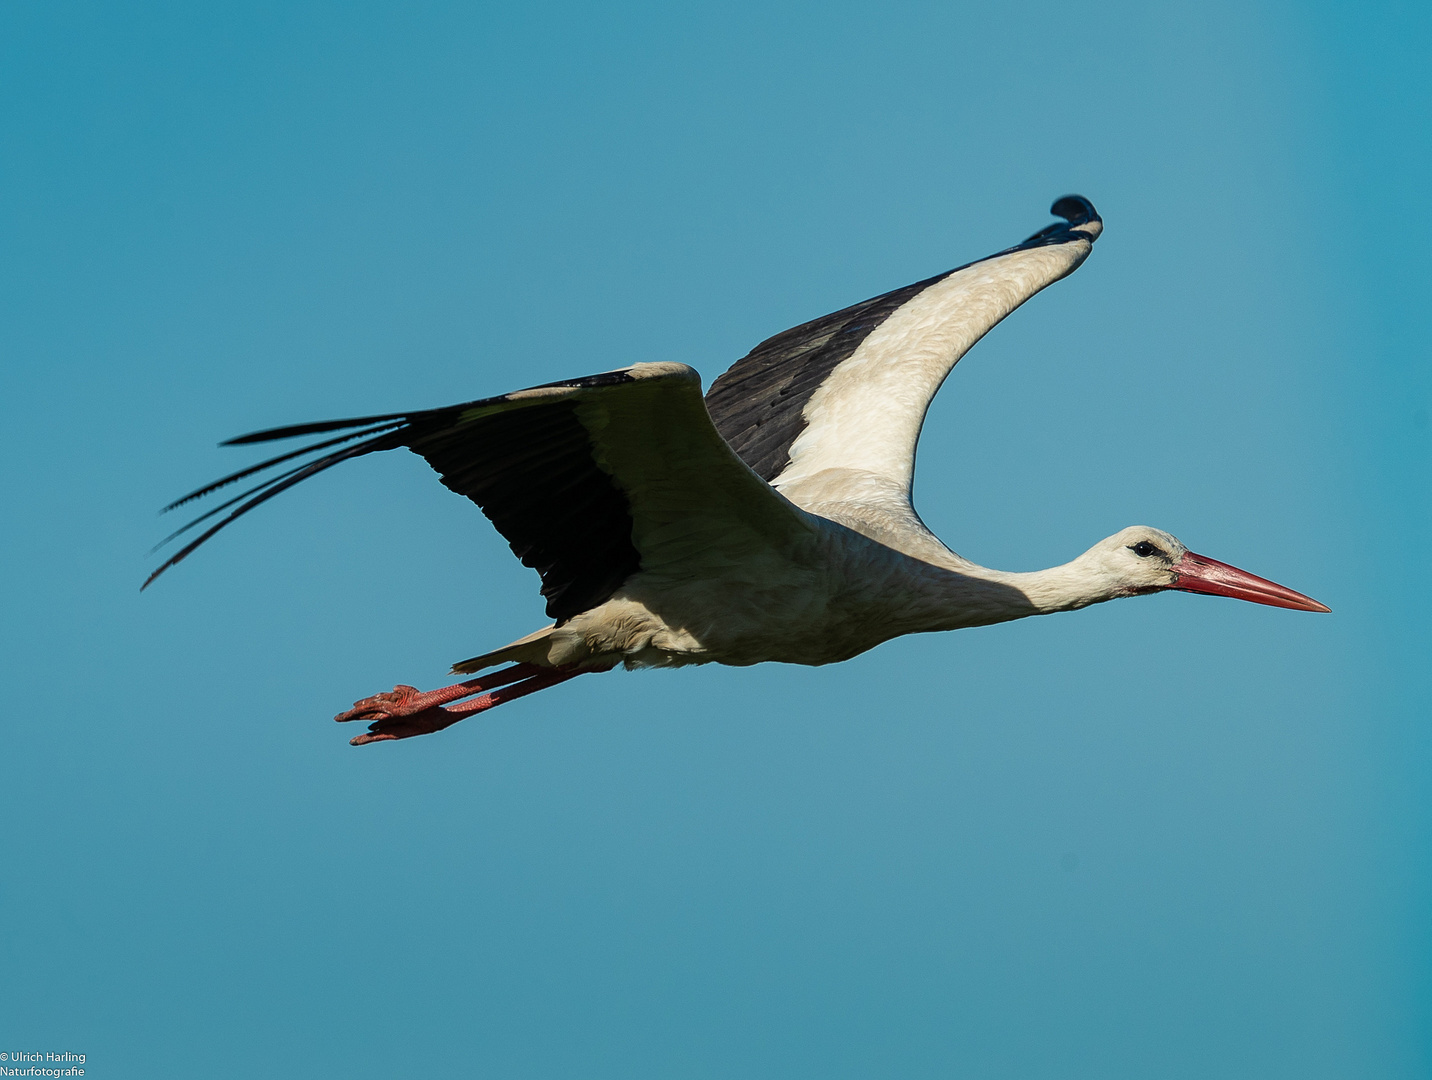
x: 837, y: 404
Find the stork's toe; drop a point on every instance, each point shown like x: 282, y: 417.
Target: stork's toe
x: 401, y: 701
x: 423, y: 722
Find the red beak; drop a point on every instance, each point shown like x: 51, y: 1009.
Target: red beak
x: 1195, y: 573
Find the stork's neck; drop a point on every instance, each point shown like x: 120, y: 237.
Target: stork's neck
x: 960, y: 593
x: 1066, y: 587
x: 937, y: 589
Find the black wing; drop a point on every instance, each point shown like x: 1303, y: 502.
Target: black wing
x: 589, y: 480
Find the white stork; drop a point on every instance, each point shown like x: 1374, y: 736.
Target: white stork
x: 770, y: 520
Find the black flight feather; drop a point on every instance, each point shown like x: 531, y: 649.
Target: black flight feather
x: 530, y: 469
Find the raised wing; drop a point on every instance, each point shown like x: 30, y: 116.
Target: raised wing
x: 590, y: 481
x: 849, y: 391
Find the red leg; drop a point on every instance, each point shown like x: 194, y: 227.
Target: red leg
x: 407, y: 701
x: 409, y: 718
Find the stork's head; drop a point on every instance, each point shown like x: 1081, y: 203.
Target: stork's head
x: 1142, y: 560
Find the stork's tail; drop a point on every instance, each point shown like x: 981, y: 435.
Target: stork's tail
x: 533, y: 649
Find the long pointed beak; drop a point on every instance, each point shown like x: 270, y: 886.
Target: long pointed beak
x: 1196, y: 573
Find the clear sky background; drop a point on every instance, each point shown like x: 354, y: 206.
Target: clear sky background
x: 1175, y: 837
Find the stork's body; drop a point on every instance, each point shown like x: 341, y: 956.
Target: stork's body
x: 837, y: 592
x: 835, y: 595
x: 769, y: 521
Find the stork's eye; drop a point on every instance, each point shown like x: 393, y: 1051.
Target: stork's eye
x: 1143, y: 549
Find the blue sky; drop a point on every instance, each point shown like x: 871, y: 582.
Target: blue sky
x: 1172, y: 837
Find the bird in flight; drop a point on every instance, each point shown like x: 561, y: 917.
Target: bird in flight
x: 769, y: 520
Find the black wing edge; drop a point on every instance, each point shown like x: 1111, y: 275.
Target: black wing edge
x: 757, y: 403
x: 381, y: 437
x: 1074, y: 209
x: 573, y: 580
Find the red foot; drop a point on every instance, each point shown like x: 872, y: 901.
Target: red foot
x: 405, y: 712
x: 408, y: 701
